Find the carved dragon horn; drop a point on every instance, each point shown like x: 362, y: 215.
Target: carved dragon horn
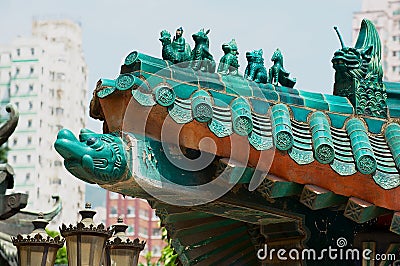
x: 9, y: 126
x: 340, y: 37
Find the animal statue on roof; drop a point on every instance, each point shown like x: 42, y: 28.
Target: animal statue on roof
x: 278, y: 74
x: 229, y: 64
x: 202, y: 60
x: 177, y: 51
x: 255, y: 69
x: 359, y: 72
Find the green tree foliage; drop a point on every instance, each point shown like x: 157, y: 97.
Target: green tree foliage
x: 168, y: 254
x: 3, y: 153
x: 62, y: 252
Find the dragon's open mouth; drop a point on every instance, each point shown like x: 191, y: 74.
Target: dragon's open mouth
x: 343, y: 61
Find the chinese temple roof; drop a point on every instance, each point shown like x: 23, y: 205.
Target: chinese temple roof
x: 316, y: 127
x: 287, y: 161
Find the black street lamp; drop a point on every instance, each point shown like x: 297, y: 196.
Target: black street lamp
x: 37, y: 248
x: 85, y: 241
x: 120, y: 250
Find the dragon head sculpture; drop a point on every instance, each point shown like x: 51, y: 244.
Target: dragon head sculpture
x: 359, y: 72
x: 99, y: 158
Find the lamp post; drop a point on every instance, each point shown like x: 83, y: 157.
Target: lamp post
x: 85, y: 241
x: 37, y: 248
x: 120, y: 250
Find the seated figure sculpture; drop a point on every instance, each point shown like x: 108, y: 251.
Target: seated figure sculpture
x: 229, y: 65
x: 177, y: 51
x: 255, y: 69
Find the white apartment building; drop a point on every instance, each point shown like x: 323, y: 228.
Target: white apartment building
x: 45, y: 75
x: 385, y: 14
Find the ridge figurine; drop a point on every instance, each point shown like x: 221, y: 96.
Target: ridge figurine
x: 202, y: 60
x: 229, y: 64
x: 277, y: 73
x: 255, y: 69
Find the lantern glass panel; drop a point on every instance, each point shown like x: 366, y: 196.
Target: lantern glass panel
x: 123, y: 257
x: 33, y: 255
x: 72, y: 254
x: 91, y: 249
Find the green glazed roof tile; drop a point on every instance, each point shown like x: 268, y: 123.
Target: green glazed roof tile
x: 339, y: 104
x: 300, y: 114
x: 314, y: 100
x: 374, y: 125
x: 210, y: 81
x: 182, y: 90
x: 221, y: 99
x: 393, y: 98
x: 260, y: 107
x: 287, y: 90
x: 291, y: 98
x: 186, y: 75
x: 270, y: 95
x: 337, y: 120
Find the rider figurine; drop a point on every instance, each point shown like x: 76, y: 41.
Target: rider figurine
x: 180, y: 46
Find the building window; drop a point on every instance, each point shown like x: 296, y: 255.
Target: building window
x: 14, y: 158
x: 113, y: 195
x: 30, y: 123
x: 27, y: 176
x: 394, y: 53
x: 15, y: 141
x: 31, y: 70
x: 60, y: 76
x: 17, y: 104
x: 56, y: 181
x: 29, y: 140
x: 57, y: 163
x: 30, y: 105
x: 143, y: 231
x: 17, y: 71
x: 30, y: 87
x: 130, y: 211
x: 16, y: 88
x: 156, y: 251
x: 113, y: 212
x: 59, y: 111
x: 156, y: 232
x: 18, y: 52
x: 143, y: 213
x: 28, y: 158
x: 32, y: 51
x: 130, y: 231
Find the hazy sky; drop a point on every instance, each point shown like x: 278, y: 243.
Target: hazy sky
x: 303, y: 30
